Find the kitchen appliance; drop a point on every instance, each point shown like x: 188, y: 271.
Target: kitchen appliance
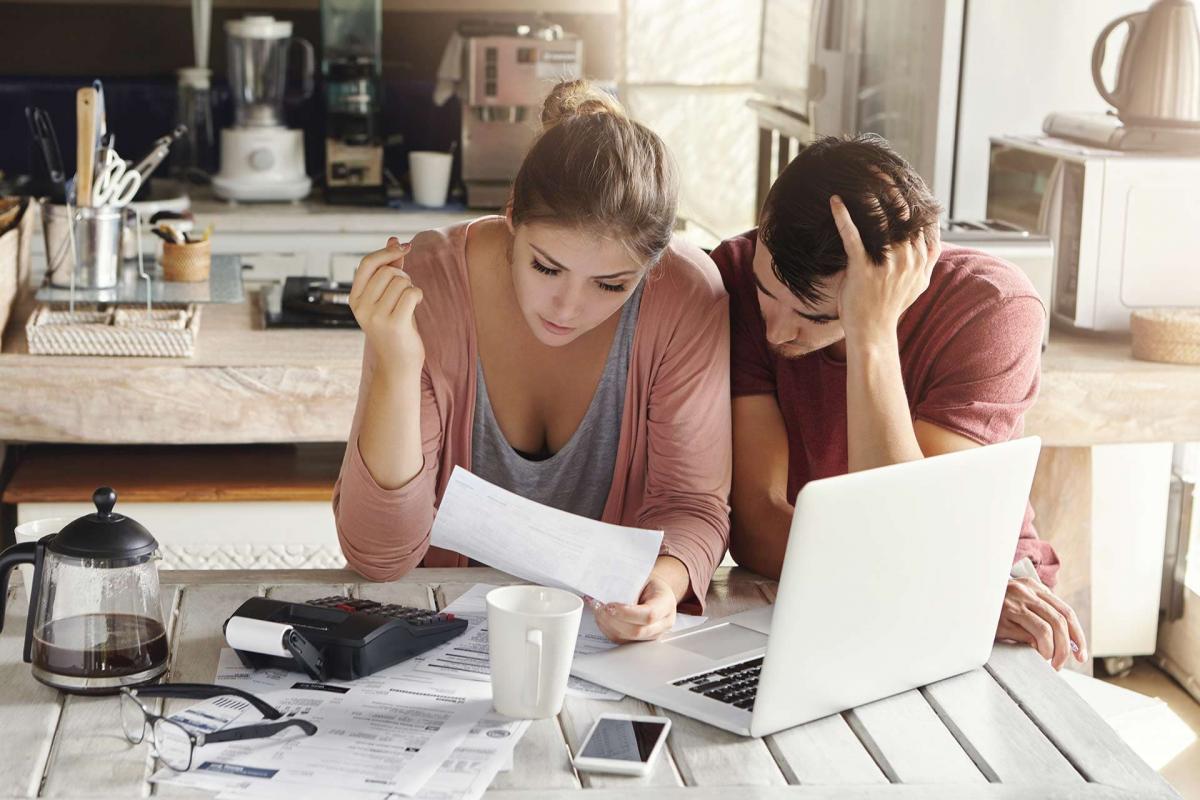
x: 1157, y: 95
x: 196, y: 153
x: 1158, y: 81
x: 351, y: 61
x: 95, y: 619
x: 261, y: 160
x: 1032, y: 253
x: 934, y: 77
x: 308, y: 303
x: 1122, y: 224
x: 1106, y: 130
x: 193, y: 108
x: 507, y: 71
x: 334, y: 637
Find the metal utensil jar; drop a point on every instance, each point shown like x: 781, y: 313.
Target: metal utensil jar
x: 95, y: 254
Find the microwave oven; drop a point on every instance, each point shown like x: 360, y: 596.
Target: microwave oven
x: 1125, y: 226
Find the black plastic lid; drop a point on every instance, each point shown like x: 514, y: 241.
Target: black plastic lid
x: 104, y: 534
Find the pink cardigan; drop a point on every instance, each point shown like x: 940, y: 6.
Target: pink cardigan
x: 674, y: 457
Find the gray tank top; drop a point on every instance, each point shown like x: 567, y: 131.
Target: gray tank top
x: 576, y: 478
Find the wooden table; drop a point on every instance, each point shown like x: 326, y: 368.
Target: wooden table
x: 1010, y: 730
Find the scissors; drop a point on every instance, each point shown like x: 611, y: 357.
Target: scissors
x: 44, y: 136
x: 117, y: 183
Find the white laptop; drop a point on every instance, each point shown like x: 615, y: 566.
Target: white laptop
x: 893, y: 578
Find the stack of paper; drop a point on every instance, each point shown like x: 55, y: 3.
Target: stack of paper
x: 395, y: 732
x: 421, y: 729
x: 424, y: 728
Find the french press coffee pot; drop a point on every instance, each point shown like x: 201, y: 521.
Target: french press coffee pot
x: 95, y: 617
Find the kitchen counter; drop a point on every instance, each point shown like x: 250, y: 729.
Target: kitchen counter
x: 314, y: 216
x: 1095, y: 392
x: 246, y: 384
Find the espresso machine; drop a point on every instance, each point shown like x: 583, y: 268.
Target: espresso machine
x: 261, y: 158
x: 351, y: 61
x: 507, y: 70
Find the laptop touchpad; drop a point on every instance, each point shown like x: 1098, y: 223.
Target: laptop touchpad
x: 719, y: 642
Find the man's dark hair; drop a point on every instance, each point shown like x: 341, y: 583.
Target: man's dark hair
x: 886, y: 198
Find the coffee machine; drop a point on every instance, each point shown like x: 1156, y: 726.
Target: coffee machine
x: 351, y: 61
x: 261, y: 159
x: 508, y: 70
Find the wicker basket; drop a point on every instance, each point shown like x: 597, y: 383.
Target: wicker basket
x: 188, y: 263
x: 165, y: 331
x: 1170, y: 335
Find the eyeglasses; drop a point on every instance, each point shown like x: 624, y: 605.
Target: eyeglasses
x: 175, y: 744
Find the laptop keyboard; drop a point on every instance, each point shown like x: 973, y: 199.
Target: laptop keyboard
x: 736, y: 684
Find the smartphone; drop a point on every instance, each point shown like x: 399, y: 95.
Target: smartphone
x: 623, y: 743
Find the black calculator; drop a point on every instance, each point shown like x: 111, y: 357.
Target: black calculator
x: 345, y: 637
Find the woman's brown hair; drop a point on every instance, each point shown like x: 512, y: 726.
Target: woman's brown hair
x: 594, y: 168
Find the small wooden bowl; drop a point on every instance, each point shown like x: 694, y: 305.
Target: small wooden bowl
x: 187, y: 263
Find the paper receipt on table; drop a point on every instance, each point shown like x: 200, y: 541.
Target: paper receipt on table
x: 542, y: 544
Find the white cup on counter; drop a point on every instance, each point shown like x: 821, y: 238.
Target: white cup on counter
x: 30, y: 532
x: 531, y: 638
x: 430, y: 174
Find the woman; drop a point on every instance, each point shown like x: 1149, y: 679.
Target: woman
x: 569, y: 351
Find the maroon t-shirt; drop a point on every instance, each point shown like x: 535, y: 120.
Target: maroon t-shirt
x: 970, y: 356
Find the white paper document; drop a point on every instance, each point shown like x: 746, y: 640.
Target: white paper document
x: 465, y: 775
x: 467, y: 655
x: 470, y: 769
x: 385, y: 733
x: 542, y: 544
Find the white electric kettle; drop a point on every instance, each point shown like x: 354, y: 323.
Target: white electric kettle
x: 1158, y: 81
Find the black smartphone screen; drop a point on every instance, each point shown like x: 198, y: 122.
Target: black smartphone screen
x: 623, y: 740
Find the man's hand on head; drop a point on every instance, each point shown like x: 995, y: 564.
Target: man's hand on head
x: 874, y: 295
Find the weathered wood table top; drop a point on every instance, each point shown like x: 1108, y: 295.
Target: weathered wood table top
x: 1013, y: 729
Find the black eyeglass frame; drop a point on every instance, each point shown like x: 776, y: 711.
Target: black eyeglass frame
x: 204, y: 691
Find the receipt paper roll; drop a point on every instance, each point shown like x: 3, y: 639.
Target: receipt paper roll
x: 257, y: 636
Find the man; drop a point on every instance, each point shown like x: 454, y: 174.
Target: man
x: 857, y: 342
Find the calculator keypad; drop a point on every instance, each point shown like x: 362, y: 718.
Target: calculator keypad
x: 414, y: 616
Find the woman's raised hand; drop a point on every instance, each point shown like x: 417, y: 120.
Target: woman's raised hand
x: 384, y: 300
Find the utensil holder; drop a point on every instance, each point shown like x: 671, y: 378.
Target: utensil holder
x: 188, y: 263
x: 95, y: 255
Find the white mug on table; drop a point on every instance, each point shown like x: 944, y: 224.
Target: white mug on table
x: 531, y: 636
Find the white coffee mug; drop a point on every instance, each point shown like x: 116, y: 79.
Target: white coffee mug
x: 531, y: 636
x: 32, y: 531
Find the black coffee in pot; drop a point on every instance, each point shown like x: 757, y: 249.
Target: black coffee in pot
x: 120, y: 644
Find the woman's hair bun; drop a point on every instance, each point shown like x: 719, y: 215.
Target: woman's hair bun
x: 576, y: 99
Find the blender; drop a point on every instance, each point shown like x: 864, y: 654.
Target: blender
x: 261, y: 159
